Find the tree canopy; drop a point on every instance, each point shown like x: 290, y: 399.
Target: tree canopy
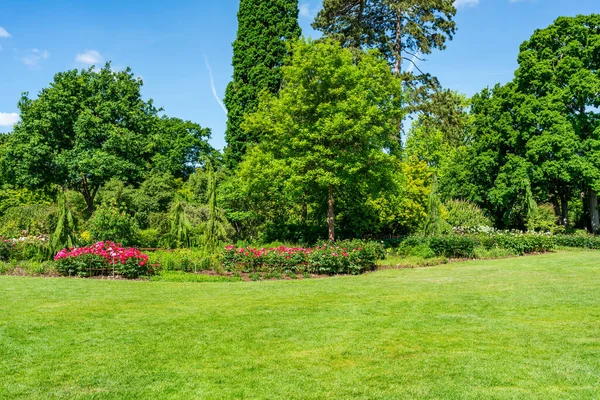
x: 264, y: 29
x: 91, y: 126
x: 332, y: 120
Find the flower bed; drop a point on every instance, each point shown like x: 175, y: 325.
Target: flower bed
x: 103, y: 258
x: 24, y: 248
x: 352, y: 257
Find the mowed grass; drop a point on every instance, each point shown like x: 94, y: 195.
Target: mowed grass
x: 516, y: 328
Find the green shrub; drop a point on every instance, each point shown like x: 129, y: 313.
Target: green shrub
x: 108, y: 223
x: 149, y: 237
x: 344, y: 257
x: 34, y: 248
x: 453, y: 246
x: 543, y: 219
x: 186, y: 260
x: 5, y: 247
x: 580, y: 241
x: 465, y: 215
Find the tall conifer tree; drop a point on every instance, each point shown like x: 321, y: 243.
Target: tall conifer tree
x: 264, y: 27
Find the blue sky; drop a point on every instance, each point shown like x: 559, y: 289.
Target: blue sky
x: 169, y: 44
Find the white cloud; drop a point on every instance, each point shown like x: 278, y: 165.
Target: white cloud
x: 4, y: 33
x: 212, y: 85
x: 89, y: 57
x: 35, y: 57
x: 305, y: 11
x: 465, y: 3
x: 8, y: 119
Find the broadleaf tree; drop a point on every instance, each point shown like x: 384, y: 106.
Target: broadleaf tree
x: 91, y: 126
x: 332, y: 121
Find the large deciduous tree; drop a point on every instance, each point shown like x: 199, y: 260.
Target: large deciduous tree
x: 561, y: 65
x: 259, y: 50
x: 89, y: 127
x: 331, y: 122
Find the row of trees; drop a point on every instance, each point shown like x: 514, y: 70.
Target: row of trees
x: 315, y: 136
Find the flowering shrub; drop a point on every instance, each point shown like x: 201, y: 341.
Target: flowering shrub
x: 24, y: 248
x: 5, y: 246
x: 30, y: 248
x: 104, y: 257
x: 352, y: 257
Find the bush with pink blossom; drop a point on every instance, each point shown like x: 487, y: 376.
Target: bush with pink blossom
x: 103, y: 258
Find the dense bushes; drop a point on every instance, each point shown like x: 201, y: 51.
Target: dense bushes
x: 103, y: 258
x: 579, y: 241
x: 35, y: 248
x: 478, y: 245
x: 453, y: 246
x: 347, y: 257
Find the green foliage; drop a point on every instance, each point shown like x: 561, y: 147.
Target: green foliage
x: 176, y: 146
x: 11, y: 197
x: 150, y: 237
x: 179, y: 276
x: 215, y: 228
x: 345, y: 257
x: 26, y: 220
x: 434, y: 222
x: 64, y: 235
x: 535, y: 140
x: 28, y: 268
x: 180, y: 233
x: 91, y: 126
x: 578, y: 241
x: 329, y: 125
x: 483, y: 253
x: 463, y: 246
x: 543, y: 219
x: 109, y: 223
x: 466, y: 215
x: 84, y: 266
x: 453, y: 246
x: 185, y: 260
x: 28, y: 248
x: 259, y: 51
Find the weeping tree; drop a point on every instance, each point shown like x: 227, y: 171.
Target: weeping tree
x: 434, y: 224
x: 215, y: 228
x: 180, y: 234
x: 64, y: 234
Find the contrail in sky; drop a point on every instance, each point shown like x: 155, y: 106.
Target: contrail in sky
x: 212, y: 85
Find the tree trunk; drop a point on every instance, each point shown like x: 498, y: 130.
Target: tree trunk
x: 330, y: 215
x: 398, y: 44
x: 593, y: 206
x: 564, y: 208
x: 557, y: 213
x: 304, y: 212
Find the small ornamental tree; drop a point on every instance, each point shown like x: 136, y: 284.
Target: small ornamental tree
x: 332, y: 121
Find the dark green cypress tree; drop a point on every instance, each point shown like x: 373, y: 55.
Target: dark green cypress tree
x: 264, y: 27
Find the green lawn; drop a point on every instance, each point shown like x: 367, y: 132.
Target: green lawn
x: 526, y: 327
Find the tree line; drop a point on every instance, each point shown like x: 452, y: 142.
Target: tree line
x: 344, y: 136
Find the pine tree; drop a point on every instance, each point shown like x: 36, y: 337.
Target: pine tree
x: 264, y: 27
